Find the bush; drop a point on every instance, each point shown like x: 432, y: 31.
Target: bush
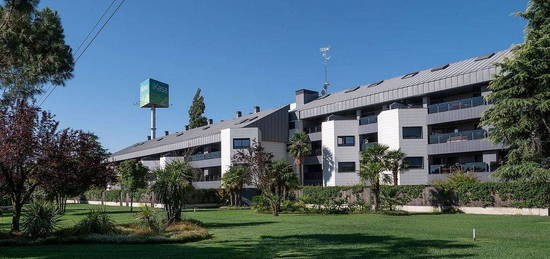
x: 260, y: 203
x: 40, y: 219
x: 97, y: 221
x: 149, y: 219
x: 391, y: 195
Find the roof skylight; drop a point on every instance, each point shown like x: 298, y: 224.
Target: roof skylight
x: 484, y: 57
x: 375, y: 84
x: 352, y: 89
x: 409, y: 75
x: 205, y: 128
x: 160, y: 139
x: 324, y: 96
x: 439, y: 68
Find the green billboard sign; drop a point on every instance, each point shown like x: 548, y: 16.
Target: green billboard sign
x: 153, y: 93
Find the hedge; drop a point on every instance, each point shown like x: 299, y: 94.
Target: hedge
x: 513, y: 194
x: 197, y: 196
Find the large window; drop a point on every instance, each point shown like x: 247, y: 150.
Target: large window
x: 346, y: 167
x: 414, y: 162
x: 346, y: 141
x: 241, y: 143
x: 412, y: 132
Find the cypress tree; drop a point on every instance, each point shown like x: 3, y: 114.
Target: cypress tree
x: 197, y: 110
x: 520, y: 113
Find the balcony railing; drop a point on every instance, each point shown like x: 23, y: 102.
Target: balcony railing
x: 439, y: 138
x: 457, y: 105
x: 468, y: 167
x: 364, y: 146
x: 312, y: 129
x: 211, y: 155
x: 368, y: 120
x: 313, y: 182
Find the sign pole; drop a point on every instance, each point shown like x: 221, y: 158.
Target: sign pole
x: 153, y: 123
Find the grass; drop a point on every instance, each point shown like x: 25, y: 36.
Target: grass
x: 245, y: 234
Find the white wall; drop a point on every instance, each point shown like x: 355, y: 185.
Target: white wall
x: 227, y: 136
x: 390, y: 125
x: 333, y: 154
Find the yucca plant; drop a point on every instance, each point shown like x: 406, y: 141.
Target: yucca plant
x: 149, y: 219
x: 97, y: 221
x: 40, y: 219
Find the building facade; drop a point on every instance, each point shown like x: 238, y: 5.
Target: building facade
x: 432, y: 116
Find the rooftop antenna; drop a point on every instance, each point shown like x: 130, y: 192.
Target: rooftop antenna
x: 326, y: 58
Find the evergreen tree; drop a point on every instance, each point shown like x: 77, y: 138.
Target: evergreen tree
x: 32, y: 49
x: 197, y: 110
x: 520, y: 113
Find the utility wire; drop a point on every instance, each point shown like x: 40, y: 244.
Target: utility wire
x: 95, y: 26
x: 89, y: 43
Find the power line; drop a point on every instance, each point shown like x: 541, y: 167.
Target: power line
x: 95, y: 26
x: 89, y: 43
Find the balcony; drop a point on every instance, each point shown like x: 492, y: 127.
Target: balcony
x: 457, y: 105
x: 211, y: 155
x: 468, y: 167
x: 313, y: 129
x: 457, y: 136
x: 368, y: 120
x: 364, y: 146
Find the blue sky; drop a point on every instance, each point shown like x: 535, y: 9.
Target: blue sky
x: 244, y: 53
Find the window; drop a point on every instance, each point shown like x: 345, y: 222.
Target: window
x: 324, y: 96
x: 416, y: 162
x: 291, y: 125
x: 375, y: 84
x: 412, y: 132
x: 346, y: 141
x: 346, y: 167
x: 241, y: 143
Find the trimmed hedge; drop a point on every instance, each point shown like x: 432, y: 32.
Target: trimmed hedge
x: 197, y: 196
x: 513, y: 194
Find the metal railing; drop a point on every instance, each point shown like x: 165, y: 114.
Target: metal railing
x: 456, y: 105
x: 439, y: 138
x: 312, y: 129
x: 468, y: 167
x: 368, y: 120
x: 211, y: 155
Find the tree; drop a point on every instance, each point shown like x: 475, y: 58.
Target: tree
x: 197, y: 110
x: 133, y: 176
x: 25, y: 132
x: 285, y: 177
x: 75, y: 163
x: 394, y: 163
x: 33, y: 51
x: 233, y: 182
x: 171, y: 185
x: 520, y: 98
x: 372, y: 167
x: 262, y: 176
x: 300, y: 147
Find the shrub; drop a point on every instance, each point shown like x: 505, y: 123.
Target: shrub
x: 149, y: 219
x: 392, y: 195
x: 260, y: 203
x: 40, y: 219
x: 97, y: 221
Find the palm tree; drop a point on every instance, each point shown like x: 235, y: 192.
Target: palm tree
x: 233, y: 181
x: 394, y: 163
x: 300, y: 147
x: 373, y: 164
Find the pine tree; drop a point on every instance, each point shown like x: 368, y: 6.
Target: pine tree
x: 520, y: 113
x: 197, y: 110
x: 33, y: 51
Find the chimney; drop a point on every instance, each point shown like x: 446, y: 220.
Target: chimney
x: 166, y: 133
x: 304, y: 96
x: 238, y: 114
x: 186, y: 127
x: 148, y: 137
x: 256, y: 109
x: 210, y: 121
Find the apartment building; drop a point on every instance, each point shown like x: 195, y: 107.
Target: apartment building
x: 431, y: 115
x: 210, y: 148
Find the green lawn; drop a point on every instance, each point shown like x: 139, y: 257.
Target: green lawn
x: 245, y: 234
